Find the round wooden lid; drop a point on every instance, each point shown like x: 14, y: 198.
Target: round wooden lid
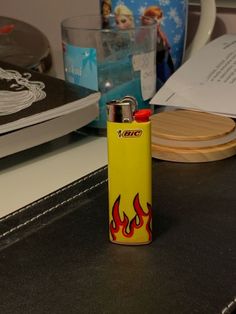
x: 186, y: 125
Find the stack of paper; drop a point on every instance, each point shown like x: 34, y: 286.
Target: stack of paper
x: 206, y: 82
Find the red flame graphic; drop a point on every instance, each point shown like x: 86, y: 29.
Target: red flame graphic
x: 117, y: 224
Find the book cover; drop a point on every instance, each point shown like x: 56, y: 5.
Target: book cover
x: 28, y: 97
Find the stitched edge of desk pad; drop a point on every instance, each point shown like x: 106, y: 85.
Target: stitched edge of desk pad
x: 39, y: 213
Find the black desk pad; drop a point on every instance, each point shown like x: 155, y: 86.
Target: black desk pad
x: 55, y: 254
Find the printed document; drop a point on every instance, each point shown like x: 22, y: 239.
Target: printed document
x: 206, y: 82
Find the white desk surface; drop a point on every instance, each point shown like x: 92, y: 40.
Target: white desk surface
x: 25, y: 181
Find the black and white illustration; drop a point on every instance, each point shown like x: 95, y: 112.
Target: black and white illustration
x: 21, y: 92
x: 28, y: 97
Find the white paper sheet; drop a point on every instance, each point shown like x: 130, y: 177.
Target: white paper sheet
x: 206, y: 82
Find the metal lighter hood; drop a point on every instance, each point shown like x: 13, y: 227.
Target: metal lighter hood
x: 122, y: 110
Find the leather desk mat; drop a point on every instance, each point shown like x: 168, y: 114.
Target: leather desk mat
x: 56, y: 257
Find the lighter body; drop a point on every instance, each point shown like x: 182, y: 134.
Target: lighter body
x: 130, y: 182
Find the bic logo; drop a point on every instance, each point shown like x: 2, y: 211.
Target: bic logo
x: 129, y: 133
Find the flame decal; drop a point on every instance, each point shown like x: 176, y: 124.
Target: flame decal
x: 126, y: 228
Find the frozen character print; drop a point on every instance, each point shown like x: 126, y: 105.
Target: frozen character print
x: 106, y: 11
x: 165, y: 65
x: 124, y: 17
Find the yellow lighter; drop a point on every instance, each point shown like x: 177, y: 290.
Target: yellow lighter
x: 129, y: 173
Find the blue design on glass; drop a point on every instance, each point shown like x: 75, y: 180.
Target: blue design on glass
x: 81, y: 66
x: 90, y: 58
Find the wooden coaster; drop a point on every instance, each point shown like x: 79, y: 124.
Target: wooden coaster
x: 189, y: 125
x: 192, y: 136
